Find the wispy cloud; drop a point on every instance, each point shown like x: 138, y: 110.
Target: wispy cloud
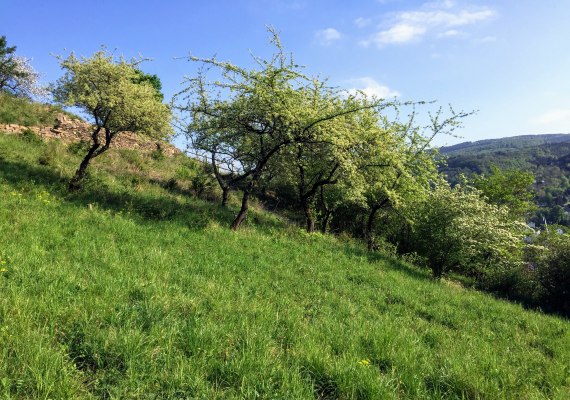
x: 554, y: 116
x: 441, y: 19
x: 362, y: 22
x: 327, y: 36
x: 370, y: 87
x: 486, y: 39
x: 450, y: 33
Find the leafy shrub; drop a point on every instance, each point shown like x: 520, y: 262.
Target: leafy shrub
x: 203, y: 184
x: 157, y: 154
x: 553, y: 272
x: 79, y: 148
x: 456, y: 230
x: 30, y: 136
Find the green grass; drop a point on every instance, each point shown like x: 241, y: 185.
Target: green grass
x: 21, y: 111
x: 132, y: 289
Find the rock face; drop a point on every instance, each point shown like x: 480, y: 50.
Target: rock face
x: 70, y: 130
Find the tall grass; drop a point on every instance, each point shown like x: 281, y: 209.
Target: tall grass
x: 133, y: 289
x: 21, y: 111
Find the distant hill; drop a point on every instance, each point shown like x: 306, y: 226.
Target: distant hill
x: 546, y: 156
x: 514, y: 143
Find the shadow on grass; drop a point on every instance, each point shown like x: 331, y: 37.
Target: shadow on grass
x: 388, y: 260
x: 195, y: 214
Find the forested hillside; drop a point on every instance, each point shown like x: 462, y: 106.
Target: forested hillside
x: 547, y: 157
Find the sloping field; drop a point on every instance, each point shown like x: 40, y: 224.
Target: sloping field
x: 129, y: 290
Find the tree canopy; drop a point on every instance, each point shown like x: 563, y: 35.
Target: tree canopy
x: 16, y: 73
x: 112, y: 94
x: 248, y: 117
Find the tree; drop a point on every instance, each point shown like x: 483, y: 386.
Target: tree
x: 553, y: 270
x: 332, y: 154
x: 153, y: 80
x: 112, y: 94
x: 511, y: 188
x: 396, y: 164
x: 248, y: 117
x: 455, y: 229
x: 16, y: 73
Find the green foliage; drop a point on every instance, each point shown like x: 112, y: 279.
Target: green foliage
x: 544, y: 156
x: 554, y: 274
x: 30, y: 136
x: 153, y: 80
x: 79, y: 147
x: 113, y: 94
x: 456, y: 230
x: 510, y: 188
x: 8, y: 66
x: 248, y: 117
x: 158, y: 154
x: 116, y: 97
x: 549, y: 280
x: 176, y: 306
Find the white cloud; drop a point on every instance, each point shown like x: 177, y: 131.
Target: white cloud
x: 557, y: 116
x: 327, y: 36
x: 399, y: 33
x: 371, y: 87
x: 362, y: 22
x: 440, y: 18
x: 486, y: 39
x: 450, y: 33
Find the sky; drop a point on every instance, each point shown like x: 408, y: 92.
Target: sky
x: 507, y: 59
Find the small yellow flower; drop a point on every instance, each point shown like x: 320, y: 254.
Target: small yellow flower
x: 365, y: 362
x: 3, y: 270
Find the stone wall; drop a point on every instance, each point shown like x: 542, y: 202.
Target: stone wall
x: 70, y: 130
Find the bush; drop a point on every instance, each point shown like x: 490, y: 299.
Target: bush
x: 30, y: 136
x: 553, y: 272
x: 157, y: 154
x: 79, y: 148
x: 456, y: 230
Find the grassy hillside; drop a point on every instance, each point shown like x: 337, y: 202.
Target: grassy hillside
x: 134, y: 289
x: 21, y: 111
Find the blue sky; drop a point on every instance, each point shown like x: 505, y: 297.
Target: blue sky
x: 509, y: 59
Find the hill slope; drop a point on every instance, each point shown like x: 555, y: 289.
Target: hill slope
x: 133, y: 289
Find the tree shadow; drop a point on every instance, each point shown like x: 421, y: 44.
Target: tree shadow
x: 360, y: 251
x: 194, y: 214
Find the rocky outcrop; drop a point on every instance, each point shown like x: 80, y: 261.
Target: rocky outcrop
x: 70, y: 130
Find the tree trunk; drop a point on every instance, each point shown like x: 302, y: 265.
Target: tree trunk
x: 306, y: 204
x: 225, y: 195
x: 325, y: 221
x: 243, y: 211
x: 77, y: 180
x: 223, y: 185
x: 370, y: 227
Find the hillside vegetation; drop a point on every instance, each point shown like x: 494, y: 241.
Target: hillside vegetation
x: 547, y: 157
x: 135, y: 288
x: 21, y: 111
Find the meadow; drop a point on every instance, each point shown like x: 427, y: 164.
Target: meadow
x: 134, y: 288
